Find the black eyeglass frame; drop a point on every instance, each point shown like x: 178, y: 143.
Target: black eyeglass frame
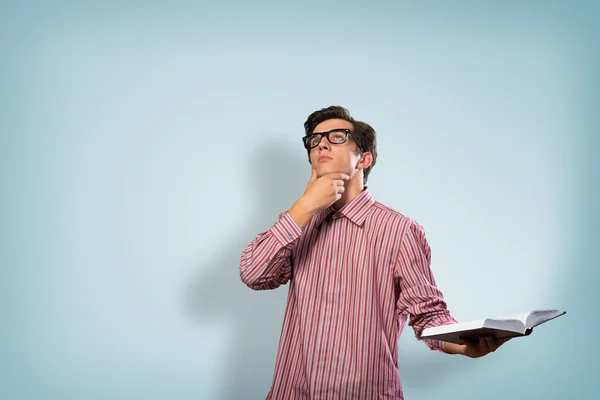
x: 306, y: 139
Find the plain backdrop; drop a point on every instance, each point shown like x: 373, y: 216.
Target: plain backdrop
x: 143, y: 146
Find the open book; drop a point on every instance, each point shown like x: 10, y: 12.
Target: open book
x: 499, y: 327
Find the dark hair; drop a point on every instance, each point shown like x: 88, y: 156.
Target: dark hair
x: 363, y: 132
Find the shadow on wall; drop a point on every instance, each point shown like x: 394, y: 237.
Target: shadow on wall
x: 216, y: 293
x: 278, y: 178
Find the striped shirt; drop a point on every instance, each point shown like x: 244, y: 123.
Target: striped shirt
x: 356, y: 275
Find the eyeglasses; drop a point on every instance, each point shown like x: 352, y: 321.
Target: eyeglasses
x: 334, y: 136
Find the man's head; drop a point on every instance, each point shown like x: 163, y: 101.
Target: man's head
x: 336, y: 142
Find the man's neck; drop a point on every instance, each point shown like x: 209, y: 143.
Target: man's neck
x: 353, y: 188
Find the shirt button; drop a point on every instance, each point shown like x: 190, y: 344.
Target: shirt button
x: 268, y: 260
x: 291, y: 237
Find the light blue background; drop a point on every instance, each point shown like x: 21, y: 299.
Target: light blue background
x: 143, y: 146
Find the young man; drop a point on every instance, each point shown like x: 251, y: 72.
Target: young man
x: 357, y: 271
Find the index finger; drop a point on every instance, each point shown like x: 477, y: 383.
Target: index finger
x: 340, y: 175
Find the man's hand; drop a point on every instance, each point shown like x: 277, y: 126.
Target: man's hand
x: 319, y: 194
x: 322, y: 192
x: 485, y: 346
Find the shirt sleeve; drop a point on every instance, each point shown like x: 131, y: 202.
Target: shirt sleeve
x: 266, y: 263
x: 419, y: 297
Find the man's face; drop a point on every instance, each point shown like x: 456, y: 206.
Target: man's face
x: 327, y: 158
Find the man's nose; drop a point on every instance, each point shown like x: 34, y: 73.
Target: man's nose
x: 324, y: 143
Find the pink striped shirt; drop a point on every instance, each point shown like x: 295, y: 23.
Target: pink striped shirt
x: 356, y: 276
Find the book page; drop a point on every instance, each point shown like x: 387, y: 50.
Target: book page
x: 471, y: 335
x: 531, y: 318
x: 537, y: 317
x: 522, y: 317
x: 506, y: 324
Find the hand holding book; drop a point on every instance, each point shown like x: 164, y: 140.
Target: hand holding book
x: 497, y: 328
x: 473, y: 349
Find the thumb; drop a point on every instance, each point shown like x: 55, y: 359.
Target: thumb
x: 313, y: 175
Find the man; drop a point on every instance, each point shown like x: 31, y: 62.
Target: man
x: 357, y: 271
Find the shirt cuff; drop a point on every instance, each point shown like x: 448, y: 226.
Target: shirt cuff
x: 286, y: 230
x: 438, y: 344
x: 442, y: 347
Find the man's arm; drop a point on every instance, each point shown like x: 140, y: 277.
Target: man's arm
x: 419, y: 297
x: 266, y: 262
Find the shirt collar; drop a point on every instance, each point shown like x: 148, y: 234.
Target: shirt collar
x: 356, y: 210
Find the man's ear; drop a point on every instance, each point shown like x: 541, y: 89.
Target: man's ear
x: 365, y: 160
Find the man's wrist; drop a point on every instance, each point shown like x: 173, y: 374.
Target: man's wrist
x: 452, y: 348
x: 302, y: 212
x: 306, y: 205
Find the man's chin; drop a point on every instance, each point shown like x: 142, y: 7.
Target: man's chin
x: 326, y: 169
x: 323, y: 170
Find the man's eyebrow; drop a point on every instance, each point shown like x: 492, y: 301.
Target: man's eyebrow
x: 331, y: 130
